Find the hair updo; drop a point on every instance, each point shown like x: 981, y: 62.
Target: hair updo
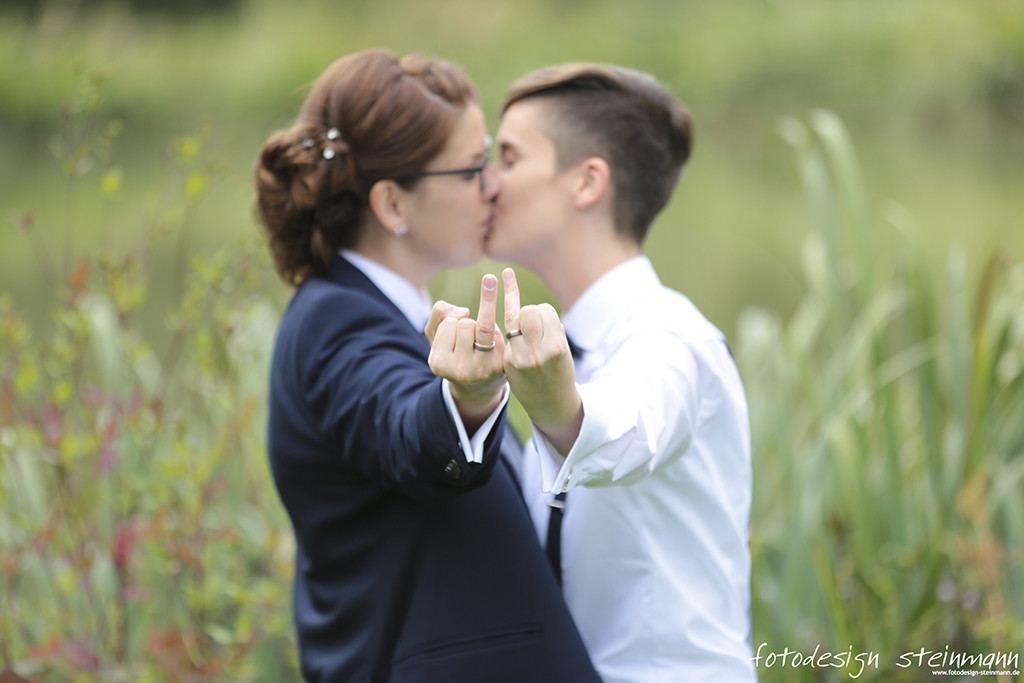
x: 368, y: 117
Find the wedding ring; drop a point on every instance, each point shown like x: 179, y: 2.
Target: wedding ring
x: 483, y: 347
x: 513, y: 333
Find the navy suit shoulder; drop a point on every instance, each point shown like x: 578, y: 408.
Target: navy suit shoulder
x: 411, y: 563
x: 349, y: 371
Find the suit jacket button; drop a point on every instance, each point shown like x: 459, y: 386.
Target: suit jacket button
x: 452, y: 469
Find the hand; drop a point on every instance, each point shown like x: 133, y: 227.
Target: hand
x: 457, y: 353
x: 441, y: 311
x: 540, y: 368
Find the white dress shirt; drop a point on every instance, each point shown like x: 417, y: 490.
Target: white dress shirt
x: 415, y: 304
x: 655, y: 551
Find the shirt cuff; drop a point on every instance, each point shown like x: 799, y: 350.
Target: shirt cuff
x: 556, y: 470
x: 473, y: 447
x: 551, y: 462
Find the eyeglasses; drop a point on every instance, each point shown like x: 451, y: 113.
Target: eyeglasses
x: 468, y: 172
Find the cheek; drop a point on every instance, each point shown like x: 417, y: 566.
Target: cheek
x: 516, y: 197
x: 461, y: 225
x: 516, y: 183
x: 525, y: 202
x: 455, y: 213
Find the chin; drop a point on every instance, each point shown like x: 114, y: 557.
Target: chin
x: 493, y: 249
x: 467, y: 258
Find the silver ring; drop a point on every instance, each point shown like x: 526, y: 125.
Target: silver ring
x: 483, y: 347
x: 513, y: 333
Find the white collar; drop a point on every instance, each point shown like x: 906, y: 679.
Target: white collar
x: 415, y: 304
x: 607, y: 299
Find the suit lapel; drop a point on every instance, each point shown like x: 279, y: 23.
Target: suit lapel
x: 344, y: 274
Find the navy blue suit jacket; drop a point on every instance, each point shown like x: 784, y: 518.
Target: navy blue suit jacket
x: 412, y: 564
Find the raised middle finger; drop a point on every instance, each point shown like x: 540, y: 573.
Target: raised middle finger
x: 488, y: 306
x: 511, y: 300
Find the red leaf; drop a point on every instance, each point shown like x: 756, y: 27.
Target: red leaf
x: 124, y: 542
x: 94, y: 397
x: 81, y: 656
x: 8, y: 676
x: 169, y: 650
x: 107, y: 457
x: 133, y: 592
x: 46, y: 649
x: 52, y: 427
x: 110, y: 428
x: 80, y: 276
x: 43, y: 538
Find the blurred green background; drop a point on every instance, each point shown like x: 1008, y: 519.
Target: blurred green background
x: 932, y: 91
x: 132, y: 127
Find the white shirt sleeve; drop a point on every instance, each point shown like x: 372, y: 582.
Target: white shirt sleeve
x: 639, y: 413
x: 473, y: 447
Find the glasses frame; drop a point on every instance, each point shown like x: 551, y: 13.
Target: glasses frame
x: 478, y: 170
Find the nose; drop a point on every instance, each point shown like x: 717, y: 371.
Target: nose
x: 490, y: 182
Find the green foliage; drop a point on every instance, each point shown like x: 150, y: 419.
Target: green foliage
x: 933, y: 90
x: 140, y: 537
x: 888, y: 442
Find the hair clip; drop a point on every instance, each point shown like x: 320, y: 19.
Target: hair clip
x: 328, y: 153
x: 333, y: 134
x: 308, y: 143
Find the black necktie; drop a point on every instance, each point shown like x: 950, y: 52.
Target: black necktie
x: 554, y: 542
x: 577, y: 352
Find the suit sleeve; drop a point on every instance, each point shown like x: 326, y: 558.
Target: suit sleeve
x: 376, y: 404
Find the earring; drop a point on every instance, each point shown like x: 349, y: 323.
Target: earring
x: 401, y: 230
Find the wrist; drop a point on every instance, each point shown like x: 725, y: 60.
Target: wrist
x: 475, y: 401
x: 563, y: 434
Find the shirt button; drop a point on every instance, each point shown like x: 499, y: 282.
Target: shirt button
x: 452, y: 469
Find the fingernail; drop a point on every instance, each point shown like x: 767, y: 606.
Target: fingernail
x: 490, y: 282
x: 460, y: 310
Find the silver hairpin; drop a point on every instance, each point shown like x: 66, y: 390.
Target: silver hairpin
x: 333, y: 134
x: 328, y: 153
x: 308, y: 143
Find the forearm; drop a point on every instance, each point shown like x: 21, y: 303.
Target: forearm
x: 559, y: 417
x: 474, y: 405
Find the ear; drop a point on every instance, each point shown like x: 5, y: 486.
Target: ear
x: 593, y: 182
x: 385, y: 202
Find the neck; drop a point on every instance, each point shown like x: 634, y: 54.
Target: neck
x: 389, y: 251
x: 575, y: 264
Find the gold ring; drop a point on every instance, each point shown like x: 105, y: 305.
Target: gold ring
x: 513, y: 333
x: 483, y: 347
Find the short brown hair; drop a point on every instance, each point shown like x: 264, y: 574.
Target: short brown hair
x: 623, y: 116
x: 369, y: 116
